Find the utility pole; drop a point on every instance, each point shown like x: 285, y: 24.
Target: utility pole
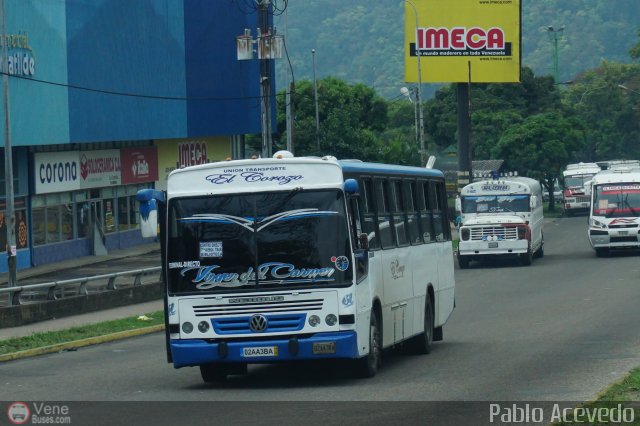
x: 265, y: 78
x: 289, y: 100
x: 315, y: 96
x: 269, y: 47
x: 9, y: 217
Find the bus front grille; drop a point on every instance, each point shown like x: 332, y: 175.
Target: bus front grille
x: 236, y: 309
x: 500, y: 232
x: 275, y: 324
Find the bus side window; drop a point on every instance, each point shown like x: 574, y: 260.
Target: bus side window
x: 424, y: 209
x: 369, y: 226
x: 360, y: 247
x: 439, y: 211
x: 415, y: 237
x: 385, y: 220
x: 440, y: 221
x: 399, y: 215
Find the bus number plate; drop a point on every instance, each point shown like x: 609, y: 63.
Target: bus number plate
x: 260, y: 351
x: 324, y: 348
x: 493, y: 245
x: 623, y: 232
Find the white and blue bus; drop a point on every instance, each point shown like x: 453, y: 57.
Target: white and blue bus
x: 282, y: 259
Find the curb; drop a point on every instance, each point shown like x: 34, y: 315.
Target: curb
x: 81, y: 343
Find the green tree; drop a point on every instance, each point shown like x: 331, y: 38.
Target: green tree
x: 634, y: 52
x: 540, y: 147
x: 351, y: 118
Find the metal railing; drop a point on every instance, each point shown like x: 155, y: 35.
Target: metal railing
x: 83, y: 286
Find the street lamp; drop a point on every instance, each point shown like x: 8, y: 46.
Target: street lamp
x: 406, y: 92
x: 418, y: 93
x: 315, y: 96
x: 554, y: 33
x: 622, y: 86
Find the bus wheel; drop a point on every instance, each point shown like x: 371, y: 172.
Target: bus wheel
x: 421, y: 344
x: 527, y: 257
x: 602, y: 252
x: 463, y: 262
x: 540, y: 252
x: 368, y: 365
x: 212, y: 373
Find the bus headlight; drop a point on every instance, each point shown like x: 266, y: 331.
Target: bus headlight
x: 203, y: 326
x: 465, y: 234
x: 331, y: 320
x: 187, y: 327
x: 314, y: 320
x: 597, y: 224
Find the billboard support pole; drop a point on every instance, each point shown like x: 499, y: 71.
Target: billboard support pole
x: 464, y: 154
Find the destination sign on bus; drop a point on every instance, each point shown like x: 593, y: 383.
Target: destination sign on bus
x: 496, y: 187
x: 621, y: 188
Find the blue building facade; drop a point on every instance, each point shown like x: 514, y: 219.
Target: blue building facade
x: 98, y: 89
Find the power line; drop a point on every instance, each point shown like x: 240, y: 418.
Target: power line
x: 132, y: 95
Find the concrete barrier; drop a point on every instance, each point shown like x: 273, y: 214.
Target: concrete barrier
x: 13, y: 316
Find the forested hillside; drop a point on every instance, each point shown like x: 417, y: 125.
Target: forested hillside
x: 361, y: 41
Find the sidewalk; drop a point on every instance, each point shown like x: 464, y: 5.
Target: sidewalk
x: 43, y: 271
x: 142, y: 256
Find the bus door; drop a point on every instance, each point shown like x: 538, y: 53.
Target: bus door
x: 396, y: 267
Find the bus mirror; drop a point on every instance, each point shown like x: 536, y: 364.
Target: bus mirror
x: 351, y: 187
x: 148, y: 199
x: 364, y: 241
x: 458, y: 204
x: 533, y: 202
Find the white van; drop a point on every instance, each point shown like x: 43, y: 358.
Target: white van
x: 502, y: 217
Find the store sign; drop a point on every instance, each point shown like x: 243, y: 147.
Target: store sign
x: 74, y: 170
x: 21, y: 59
x: 139, y: 165
x: 56, y: 171
x: 99, y: 168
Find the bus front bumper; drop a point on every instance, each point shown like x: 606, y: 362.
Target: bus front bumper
x: 192, y: 352
x: 618, y: 238
x: 505, y: 247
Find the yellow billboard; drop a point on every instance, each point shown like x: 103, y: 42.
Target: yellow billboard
x: 459, y: 41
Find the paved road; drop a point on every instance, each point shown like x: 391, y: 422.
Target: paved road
x: 561, y: 329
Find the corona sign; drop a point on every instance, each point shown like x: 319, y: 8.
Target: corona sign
x: 460, y: 41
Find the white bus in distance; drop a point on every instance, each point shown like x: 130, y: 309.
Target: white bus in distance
x: 576, y: 194
x: 614, y: 218
x: 500, y: 218
x: 284, y: 258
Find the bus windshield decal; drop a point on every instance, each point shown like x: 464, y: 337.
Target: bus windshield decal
x: 248, y: 223
x: 268, y: 273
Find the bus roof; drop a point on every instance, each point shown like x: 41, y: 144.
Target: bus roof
x: 503, y: 186
x: 581, y: 169
x: 355, y: 166
x: 616, y: 176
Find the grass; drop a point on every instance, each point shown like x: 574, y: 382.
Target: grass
x: 615, y: 398
x: 40, y: 340
x: 555, y: 213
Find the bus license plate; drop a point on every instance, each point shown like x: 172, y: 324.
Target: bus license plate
x: 623, y: 232
x: 260, y: 351
x: 493, y: 245
x: 321, y: 348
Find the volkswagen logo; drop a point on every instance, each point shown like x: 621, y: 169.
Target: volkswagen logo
x: 258, y: 323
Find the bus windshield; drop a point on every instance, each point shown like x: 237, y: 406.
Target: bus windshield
x: 577, y: 181
x: 258, y: 241
x: 617, y: 200
x: 495, y: 204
